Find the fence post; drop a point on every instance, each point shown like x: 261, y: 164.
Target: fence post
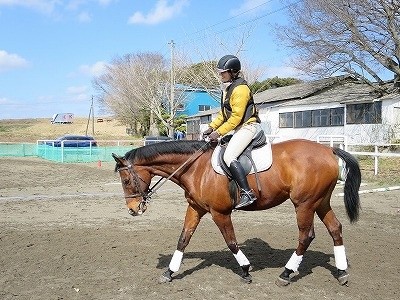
x: 340, y: 161
x: 376, y: 161
x: 62, y: 151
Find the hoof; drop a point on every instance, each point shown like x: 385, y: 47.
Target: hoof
x: 247, y: 279
x: 343, y: 277
x: 282, y: 281
x: 284, y: 278
x: 165, y: 277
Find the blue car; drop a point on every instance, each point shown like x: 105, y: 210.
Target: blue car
x: 73, y: 141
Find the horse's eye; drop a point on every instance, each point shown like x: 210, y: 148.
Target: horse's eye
x: 126, y: 181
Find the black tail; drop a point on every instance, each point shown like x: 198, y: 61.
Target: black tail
x: 351, y: 184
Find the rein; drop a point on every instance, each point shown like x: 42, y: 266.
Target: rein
x: 146, y: 195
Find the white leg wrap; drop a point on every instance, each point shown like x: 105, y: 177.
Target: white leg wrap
x: 176, y: 261
x: 340, y: 257
x: 241, y: 258
x: 294, y: 262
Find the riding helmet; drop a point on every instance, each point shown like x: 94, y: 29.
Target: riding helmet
x: 229, y: 63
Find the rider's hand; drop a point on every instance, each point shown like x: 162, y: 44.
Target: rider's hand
x: 207, y: 132
x: 214, y: 136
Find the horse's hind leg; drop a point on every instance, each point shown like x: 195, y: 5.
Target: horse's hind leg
x: 305, y: 223
x: 192, y: 219
x: 327, y: 216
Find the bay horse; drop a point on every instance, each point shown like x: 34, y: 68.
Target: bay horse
x: 303, y: 171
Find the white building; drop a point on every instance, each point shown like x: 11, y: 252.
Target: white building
x: 337, y: 106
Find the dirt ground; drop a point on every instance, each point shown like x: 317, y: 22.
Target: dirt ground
x: 65, y: 234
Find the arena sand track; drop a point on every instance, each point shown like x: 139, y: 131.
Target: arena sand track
x: 65, y: 234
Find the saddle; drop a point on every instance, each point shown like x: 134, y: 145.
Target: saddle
x: 255, y: 158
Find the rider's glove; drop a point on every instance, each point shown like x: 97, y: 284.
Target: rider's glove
x: 207, y: 132
x: 214, y: 136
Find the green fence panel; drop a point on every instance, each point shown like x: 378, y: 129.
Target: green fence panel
x: 80, y: 154
x: 105, y: 152
x: 18, y: 150
x: 63, y: 154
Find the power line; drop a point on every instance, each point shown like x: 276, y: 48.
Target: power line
x: 259, y: 17
x: 256, y: 19
x: 223, y: 21
x: 235, y: 16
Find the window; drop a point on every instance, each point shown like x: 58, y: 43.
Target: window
x: 204, y: 107
x: 286, y: 120
x: 364, y: 113
x: 320, y: 117
x: 337, y: 116
x: 205, y: 119
x: 192, y: 126
x: 302, y: 119
x: 312, y: 118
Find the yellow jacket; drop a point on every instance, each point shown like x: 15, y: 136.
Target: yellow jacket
x: 239, y: 99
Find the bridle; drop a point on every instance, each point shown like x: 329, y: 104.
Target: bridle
x: 146, y: 195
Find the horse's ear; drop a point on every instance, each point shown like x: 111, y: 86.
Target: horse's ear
x: 119, y: 159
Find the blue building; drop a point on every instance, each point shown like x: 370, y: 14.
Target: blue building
x: 197, y: 100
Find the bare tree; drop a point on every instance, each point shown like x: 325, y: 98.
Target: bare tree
x: 358, y: 37
x: 138, y: 87
x: 208, y: 49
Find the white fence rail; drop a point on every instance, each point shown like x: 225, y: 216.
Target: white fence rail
x: 380, y: 150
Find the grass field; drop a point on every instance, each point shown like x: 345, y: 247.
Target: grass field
x: 31, y: 130
x: 388, y: 170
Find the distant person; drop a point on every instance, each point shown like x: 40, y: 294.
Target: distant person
x: 238, y: 113
x: 179, y: 135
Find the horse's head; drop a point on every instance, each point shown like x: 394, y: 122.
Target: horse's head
x: 135, y: 184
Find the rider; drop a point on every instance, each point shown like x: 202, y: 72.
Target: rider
x: 238, y: 113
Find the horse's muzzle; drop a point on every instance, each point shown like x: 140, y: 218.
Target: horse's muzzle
x: 134, y: 213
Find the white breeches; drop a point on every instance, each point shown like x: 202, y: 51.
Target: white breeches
x: 240, y: 140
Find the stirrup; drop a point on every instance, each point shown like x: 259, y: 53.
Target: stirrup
x: 246, y: 198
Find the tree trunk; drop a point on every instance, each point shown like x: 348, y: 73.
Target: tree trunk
x: 153, y: 130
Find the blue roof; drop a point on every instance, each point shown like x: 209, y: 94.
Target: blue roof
x: 197, y: 99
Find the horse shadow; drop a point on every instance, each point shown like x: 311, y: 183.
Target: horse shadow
x: 261, y: 256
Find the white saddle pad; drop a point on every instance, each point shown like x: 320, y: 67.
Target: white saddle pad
x: 262, y: 159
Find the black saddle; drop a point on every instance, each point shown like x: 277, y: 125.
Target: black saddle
x: 245, y: 158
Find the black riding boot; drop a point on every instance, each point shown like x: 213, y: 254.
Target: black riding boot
x: 247, y: 196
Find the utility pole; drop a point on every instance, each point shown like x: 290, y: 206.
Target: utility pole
x: 91, y: 114
x: 92, y: 117
x: 172, y: 43
x: 172, y: 96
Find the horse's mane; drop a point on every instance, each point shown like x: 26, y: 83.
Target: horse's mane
x: 169, y: 147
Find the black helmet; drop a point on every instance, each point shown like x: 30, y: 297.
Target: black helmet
x: 229, y: 63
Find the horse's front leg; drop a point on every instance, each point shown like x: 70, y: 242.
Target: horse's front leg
x: 192, y: 219
x: 224, y: 223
